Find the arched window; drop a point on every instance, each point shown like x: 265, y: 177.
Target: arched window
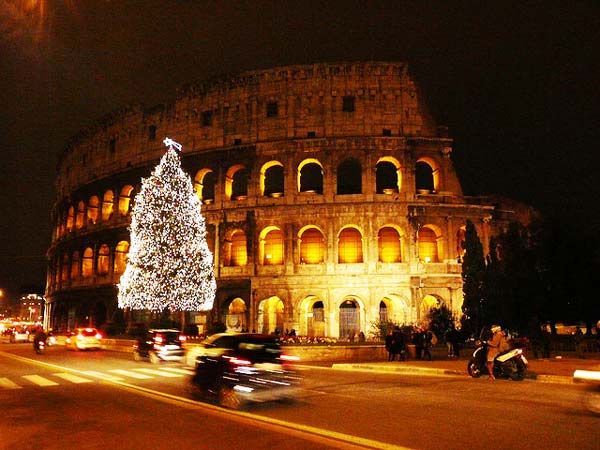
x: 107, y: 205
x: 65, y: 268
x: 312, y: 246
x: 125, y: 200
x: 349, y: 320
x: 460, y: 239
x: 350, y: 246
x: 387, y: 176
x: 121, y: 251
x: 236, y: 183
x: 70, y: 218
x: 272, y: 179
x: 316, y: 320
x: 236, y: 315
x: 383, y: 312
x: 79, y: 221
x: 204, y: 183
x: 389, y: 245
x: 103, y: 259
x: 428, y: 250
x: 310, y: 177
x: 235, y: 253
x: 75, y: 266
x: 87, y: 266
x: 272, y: 247
x: 349, y: 177
x: 92, y: 209
x: 424, y: 177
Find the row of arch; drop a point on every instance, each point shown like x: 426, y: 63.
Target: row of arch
x: 310, y: 178
x: 86, y: 264
x: 388, y: 180
x: 391, y: 246
x: 312, y: 245
x: 351, y: 314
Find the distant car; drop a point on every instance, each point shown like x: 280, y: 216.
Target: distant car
x: 160, y: 345
x: 236, y: 369
x: 20, y: 334
x: 84, y: 339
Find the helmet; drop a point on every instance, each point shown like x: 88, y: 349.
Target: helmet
x: 496, y: 328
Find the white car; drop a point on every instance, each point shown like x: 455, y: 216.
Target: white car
x: 20, y: 335
x: 84, y: 339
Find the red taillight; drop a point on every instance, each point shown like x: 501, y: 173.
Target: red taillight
x: 519, y: 351
x: 182, y: 338
x: 158, y: 339
x: 98, y: 336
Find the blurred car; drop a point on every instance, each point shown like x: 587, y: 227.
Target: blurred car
x: 19, y: 334
x: 160, y: 345
x: 84, y: 339
x: 592, y: 380
x: 237, y: 369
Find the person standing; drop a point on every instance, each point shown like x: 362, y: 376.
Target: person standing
x: 418, y: 341
x: 389, y: 343
x: 427, y: 343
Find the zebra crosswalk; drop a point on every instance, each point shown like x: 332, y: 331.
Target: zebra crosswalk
x: 91, y: 376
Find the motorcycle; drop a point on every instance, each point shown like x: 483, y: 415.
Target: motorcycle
x: 591, y: 398
x: 511, y: 364
x: 39, y: 346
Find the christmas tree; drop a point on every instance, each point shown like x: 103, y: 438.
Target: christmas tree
x: 170, y: 266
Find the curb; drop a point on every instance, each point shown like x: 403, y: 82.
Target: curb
x: 426, y: 371
x: 398, y: 369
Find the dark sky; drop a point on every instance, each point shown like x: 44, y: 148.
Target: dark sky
x: 516, y: 85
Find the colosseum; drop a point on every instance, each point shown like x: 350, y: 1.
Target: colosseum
x: 329, y: 194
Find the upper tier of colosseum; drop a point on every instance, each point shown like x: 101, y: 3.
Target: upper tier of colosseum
x: 291, y: 103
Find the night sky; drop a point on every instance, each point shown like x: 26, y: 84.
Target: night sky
x: 517, y: 86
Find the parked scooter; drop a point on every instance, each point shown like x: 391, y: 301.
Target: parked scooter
x: 511, y: 364
x: 591, y: 398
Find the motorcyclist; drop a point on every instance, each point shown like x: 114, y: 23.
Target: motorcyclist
x: 497, y: 341
x: 40, y: 336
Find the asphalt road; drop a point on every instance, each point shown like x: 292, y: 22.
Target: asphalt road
x: 104, y: 400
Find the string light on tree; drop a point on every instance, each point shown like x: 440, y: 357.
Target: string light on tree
x: 169, y: 266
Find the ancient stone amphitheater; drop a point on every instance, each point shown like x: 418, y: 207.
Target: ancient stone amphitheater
x: 328, y: 190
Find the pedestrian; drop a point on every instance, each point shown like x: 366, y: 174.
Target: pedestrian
x: 449, y: 340
x: 389, y: 341
x: 456, y: 342
x: 494, y: 345
x: 361, y: 337
x: 427, y: 344
x: 418, y: 341
x: 398, y: 344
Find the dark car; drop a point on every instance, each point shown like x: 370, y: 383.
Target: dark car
x: 235, y: 369
x: 160, y: 345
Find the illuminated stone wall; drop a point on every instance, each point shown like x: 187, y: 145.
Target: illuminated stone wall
x: 329, y: 195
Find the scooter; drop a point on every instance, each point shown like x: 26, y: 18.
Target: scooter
x: 591, y: 398
x: 511, y: 364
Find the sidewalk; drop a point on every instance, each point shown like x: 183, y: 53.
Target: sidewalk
x: 558, y: 369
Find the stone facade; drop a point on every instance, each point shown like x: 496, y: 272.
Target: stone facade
x: 328, y: 190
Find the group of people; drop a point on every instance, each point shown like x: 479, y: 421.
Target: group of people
x: 397, y: 340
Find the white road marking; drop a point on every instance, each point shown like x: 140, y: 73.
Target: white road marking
x: 177, y: 370
x: 102, y: 376
x: 5, y: 383
x: 160, y: 373
x: 40, y: 381
x: 127, y: 373
x: 72, y: 378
